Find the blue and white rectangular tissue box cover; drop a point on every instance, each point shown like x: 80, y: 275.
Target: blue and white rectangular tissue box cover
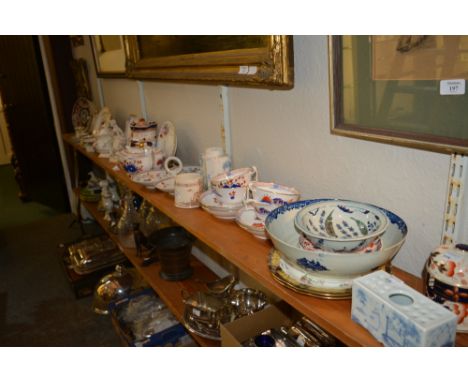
x: 397, y: 315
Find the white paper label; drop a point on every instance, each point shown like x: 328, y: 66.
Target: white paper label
x: 196, y: 312
x: 452, y: 87
x: 244, y: 69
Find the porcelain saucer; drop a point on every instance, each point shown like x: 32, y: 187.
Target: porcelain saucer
x: 212, y: 204
x: 149, y: 178
x: 167, y: 139
x: 247, y: 219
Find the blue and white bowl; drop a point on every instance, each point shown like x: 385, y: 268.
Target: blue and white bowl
x: 341, y: 225
x: 283, y: 233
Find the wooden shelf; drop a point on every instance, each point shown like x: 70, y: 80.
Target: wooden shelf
x: 168, y: 291
x: 250, y: 255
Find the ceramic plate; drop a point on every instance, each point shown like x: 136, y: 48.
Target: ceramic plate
x: 220, y: 213
x: 83, y: 113
x: 167, y: 139
x: 303, y: 282
x: 247, y: 219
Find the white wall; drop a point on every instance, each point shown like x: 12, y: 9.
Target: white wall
x: 286, y: 134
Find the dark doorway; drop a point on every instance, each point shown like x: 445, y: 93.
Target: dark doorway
x: 30, y: 123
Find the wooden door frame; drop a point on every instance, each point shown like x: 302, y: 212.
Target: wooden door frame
x: 58, y: 114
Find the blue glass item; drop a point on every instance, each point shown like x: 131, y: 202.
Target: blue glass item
x: 264, y: 340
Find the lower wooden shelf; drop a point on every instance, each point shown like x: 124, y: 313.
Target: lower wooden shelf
x: 168, y: 291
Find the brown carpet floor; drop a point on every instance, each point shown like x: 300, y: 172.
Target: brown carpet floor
x: 37, y: 304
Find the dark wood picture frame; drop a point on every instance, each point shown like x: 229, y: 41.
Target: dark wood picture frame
x: 386, y: 134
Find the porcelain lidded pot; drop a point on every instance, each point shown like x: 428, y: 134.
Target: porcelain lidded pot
x: 446, y: 280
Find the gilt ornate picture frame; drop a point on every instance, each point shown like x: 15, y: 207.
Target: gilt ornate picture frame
x: 255, y: 61
x: 109, y: 55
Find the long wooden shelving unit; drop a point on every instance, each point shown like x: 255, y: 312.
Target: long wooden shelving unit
x: 249, y: 255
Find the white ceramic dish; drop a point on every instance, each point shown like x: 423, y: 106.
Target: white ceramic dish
x: 247, y: 219
x: 341, y: 225
x: 167, y: 139
x: 280, y: 228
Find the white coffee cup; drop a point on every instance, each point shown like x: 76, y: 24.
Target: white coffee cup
x: 187, y: 190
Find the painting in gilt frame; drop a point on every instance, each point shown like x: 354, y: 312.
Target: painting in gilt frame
x: 256, y: 61
x: 391, y: 89
x: 109, y: 55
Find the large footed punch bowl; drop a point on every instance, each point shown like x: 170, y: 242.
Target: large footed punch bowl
x: 281, y: 229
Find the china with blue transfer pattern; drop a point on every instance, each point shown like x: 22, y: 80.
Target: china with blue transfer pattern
x: 306, y: 283
x: 280, y: 228
x: 341, y: 225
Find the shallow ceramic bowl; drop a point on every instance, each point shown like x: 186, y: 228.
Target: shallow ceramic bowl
x: 341, y: 225
x: 280, y: 227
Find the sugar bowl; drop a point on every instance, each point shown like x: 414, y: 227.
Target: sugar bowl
x: 446, y: 280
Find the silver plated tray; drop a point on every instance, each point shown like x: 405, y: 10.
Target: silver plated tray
x: 199, y: 330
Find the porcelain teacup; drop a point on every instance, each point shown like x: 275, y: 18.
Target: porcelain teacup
x: 272, y: 193
x: 231, y: 195
x: 261, y: 209
x: 240, y: 177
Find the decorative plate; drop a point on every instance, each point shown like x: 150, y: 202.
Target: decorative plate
x: 303, y: 282
x: 167, y: 139
x: 83, y: 113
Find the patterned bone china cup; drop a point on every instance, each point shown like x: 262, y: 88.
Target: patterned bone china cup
x: 272, y: 193
x: 240, y: 177
x: 341, y: 225
x: 233, y: 195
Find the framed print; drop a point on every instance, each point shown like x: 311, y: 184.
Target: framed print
x: 109, y: 55
x: 394, y: 89
x: 258, y: 61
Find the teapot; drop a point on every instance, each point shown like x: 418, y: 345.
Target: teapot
x: 446, y: 280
